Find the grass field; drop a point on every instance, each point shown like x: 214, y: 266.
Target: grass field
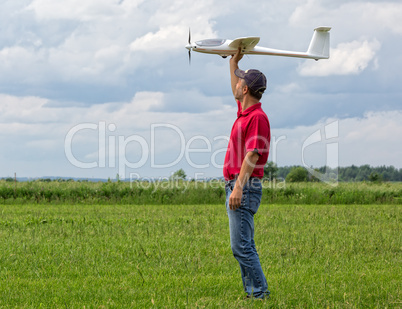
x: 191, y: 193
x: 171, y: 256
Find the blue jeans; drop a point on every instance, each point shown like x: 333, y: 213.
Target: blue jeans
x: 241, y: 225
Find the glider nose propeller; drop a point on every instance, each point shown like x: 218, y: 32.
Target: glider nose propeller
x: 189, y: 46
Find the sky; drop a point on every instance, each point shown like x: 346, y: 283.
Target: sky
x: 97, y: 88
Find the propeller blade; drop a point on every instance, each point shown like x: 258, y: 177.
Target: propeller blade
x: 189, y: 46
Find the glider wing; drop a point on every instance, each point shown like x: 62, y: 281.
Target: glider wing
x: 246, y: 43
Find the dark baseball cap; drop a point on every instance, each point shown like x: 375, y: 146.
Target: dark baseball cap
x: 255, y: 79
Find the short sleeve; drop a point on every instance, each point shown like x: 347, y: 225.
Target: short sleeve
x: 257, y: 135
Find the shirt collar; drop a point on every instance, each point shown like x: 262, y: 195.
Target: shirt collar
x: 248, y: 110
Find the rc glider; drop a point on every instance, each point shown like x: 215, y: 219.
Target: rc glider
x: 318, y: 48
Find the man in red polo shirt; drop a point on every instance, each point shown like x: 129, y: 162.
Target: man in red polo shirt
x: 245, y: 159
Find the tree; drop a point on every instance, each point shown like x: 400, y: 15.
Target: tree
x: 179, y: 174
x: 270, y: 170
x: 297, y: 174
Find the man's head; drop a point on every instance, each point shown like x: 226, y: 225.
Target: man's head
x: 254, y: 80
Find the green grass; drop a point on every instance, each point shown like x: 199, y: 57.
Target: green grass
x: 191, y: 193
x: 178, y: 256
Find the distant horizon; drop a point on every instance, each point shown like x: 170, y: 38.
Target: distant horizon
x: 164, y: 177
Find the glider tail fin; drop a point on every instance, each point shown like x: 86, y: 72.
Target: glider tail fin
x: 319, y: 45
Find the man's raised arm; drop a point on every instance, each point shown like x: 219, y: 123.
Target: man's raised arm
x: 234, y: 64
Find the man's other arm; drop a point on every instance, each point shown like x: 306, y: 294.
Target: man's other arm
x: 246, y: 170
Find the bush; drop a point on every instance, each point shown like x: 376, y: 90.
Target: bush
x: 297, y: 174
x: 375, y: 177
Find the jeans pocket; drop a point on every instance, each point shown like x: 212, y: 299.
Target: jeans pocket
x: 254, y: 195
x: 254, y: 200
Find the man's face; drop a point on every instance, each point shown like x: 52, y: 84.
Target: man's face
x: 241, y: 84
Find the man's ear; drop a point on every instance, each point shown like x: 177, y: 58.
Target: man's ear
x: 245, y: 89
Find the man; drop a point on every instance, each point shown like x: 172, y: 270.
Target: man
x: 245, y: 159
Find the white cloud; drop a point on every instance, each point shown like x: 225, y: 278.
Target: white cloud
x: 347, y: 58
x: 170, y: 37
x: 351, y: 17
x: 173, y: 20
x: 289, y: 88
x: 81, y: 10
x: 15, y: 60
x: 375, y: 127
x: 372, y: 139
x: 18, y: 110
x: 98, y: 41
x: 144, y: 101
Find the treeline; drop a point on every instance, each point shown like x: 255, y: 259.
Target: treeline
x: 272, y: 171
x: 345, y: 174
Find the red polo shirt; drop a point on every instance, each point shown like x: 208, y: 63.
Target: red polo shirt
x: 250, y: 132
